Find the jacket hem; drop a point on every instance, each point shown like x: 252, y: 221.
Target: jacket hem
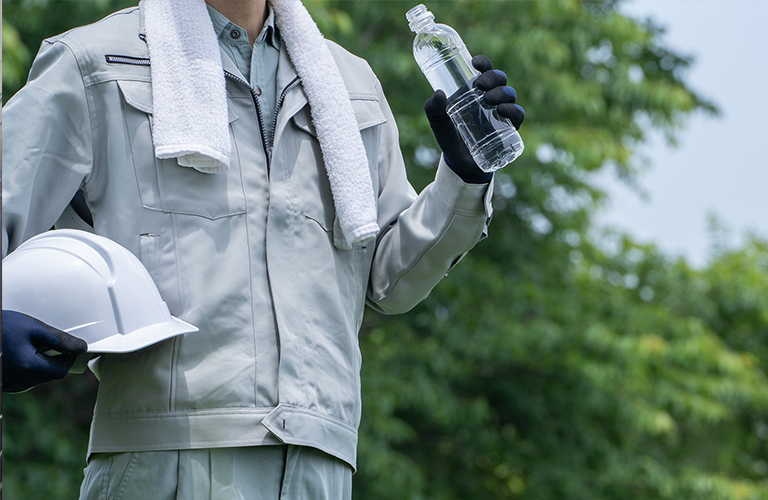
x: 223, y: 428
x: 157, y: 431
x: 304, y: 427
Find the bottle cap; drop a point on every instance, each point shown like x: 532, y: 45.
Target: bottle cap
x: 418, y: 17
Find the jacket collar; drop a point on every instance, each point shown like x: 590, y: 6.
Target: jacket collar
x: 142, y: 30
x: 226, y: 62
x: 222, y: 24
x: 294, y: 99
x: 286, y: 73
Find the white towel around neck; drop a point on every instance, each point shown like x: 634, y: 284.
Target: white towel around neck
x: 189, y: 102
x: 190, y: 107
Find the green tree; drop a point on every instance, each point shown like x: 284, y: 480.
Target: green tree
x: 552, y: 363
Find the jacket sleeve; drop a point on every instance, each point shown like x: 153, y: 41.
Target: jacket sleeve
x: 422, y: 236
x: 47, y: 145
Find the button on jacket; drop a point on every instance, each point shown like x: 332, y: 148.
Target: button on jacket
x: 83, y: 122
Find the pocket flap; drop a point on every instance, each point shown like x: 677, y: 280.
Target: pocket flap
x: 366, y: 109
x: 138, y: 95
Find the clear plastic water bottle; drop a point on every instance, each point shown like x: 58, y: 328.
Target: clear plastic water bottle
x: 444, y: 59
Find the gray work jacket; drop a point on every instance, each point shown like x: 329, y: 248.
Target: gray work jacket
x: 83, y: 122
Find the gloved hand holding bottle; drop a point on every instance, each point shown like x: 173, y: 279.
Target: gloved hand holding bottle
x: 496, y: 93
x: 25, y: 340
x: 473, y: 112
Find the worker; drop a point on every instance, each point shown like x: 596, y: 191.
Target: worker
x: 254, y: 168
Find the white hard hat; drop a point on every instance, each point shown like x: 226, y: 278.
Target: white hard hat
x: 90, y: 287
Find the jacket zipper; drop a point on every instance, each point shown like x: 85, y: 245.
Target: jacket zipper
x: 135, y: 61
x: 267, y: 146
x: 144, y: 61
x: 255, y: 96
x: 285, y: 91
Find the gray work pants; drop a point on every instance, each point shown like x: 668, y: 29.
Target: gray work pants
x: 253, y: 473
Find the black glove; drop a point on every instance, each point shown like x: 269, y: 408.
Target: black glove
x: 25, y: 339
x: 493, y: 83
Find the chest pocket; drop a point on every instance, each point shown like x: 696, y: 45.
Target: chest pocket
x: 166, y: 186
x: 318, y: 203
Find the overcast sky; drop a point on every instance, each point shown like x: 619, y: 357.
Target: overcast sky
x: 720, y: 164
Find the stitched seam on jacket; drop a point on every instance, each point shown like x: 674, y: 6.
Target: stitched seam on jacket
x: 250, y: 267
x: 91, y: 112
x: 420, y: 257
x: 320, y: 414
x: 176, y: 340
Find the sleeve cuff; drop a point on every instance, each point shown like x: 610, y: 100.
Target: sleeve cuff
x: 460, y: 197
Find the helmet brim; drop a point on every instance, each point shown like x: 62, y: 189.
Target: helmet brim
x: 141, y: 338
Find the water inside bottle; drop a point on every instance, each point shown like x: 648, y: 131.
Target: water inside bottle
x: 445, y: 67
x: 492, y: 140
x: 497, y: 150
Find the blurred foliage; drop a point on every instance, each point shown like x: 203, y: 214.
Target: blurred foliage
x: 557, y: 361
x: 45, y: 436
x: 26, y: 23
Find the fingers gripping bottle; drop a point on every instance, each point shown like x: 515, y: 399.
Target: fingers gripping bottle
x: 444, y: 59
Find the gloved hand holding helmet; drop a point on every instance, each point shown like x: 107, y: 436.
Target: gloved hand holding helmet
x: 70, y: 292
x: 25, y: 342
